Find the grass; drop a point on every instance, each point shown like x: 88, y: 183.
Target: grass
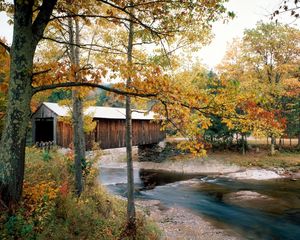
x: 50, y: 210
x: 288, y: 157
x: 286, y: 160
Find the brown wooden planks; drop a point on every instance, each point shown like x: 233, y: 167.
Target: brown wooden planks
x: 110, y: 133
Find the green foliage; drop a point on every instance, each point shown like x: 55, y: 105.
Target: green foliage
x: 291, y: 106
x: 60, y: 94
x: 18, y: 227
x: 106, y: 99
x: 218, y: 133
x: 46, y: 155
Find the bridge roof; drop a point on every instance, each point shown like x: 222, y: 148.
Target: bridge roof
x: 101, y: 112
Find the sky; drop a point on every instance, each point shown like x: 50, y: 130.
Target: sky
x: 248, y: 13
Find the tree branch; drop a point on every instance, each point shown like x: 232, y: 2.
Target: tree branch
x: 73, y: 15
x: 42, y: 19
x: 134, y: 18
x: 93, y: 85
x: 87, y: 46
x: 41, y: 72
x: 6, y: 47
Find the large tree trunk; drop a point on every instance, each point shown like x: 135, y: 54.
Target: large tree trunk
x: 12, y: 153
x: 130, y: 179
x: 77, y: 113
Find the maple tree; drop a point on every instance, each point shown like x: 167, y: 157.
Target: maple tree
x: 261, y: 63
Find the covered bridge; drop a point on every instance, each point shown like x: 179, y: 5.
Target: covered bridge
x: 47, y: 125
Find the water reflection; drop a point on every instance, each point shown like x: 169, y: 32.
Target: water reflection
x: 152, y: 178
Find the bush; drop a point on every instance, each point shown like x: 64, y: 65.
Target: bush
x: 50, y: 210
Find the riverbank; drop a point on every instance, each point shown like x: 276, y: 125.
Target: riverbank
x: 181, y: 224
x: 252, y: 166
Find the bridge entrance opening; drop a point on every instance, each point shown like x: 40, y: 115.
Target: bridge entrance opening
x: 44, y: 130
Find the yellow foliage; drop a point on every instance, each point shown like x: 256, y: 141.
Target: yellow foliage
x: 38, y: 196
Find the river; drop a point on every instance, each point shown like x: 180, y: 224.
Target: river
x: 258, y: 210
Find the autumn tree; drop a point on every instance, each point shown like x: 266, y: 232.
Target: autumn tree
x: 30, y: 30
x: 261, y: 62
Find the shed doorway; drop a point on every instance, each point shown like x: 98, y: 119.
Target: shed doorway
x: 44, y: 130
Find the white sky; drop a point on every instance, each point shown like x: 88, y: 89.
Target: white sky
x: 248, y: 13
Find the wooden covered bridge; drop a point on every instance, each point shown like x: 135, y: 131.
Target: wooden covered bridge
x: 47, y: 125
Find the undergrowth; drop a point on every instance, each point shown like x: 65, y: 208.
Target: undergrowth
x: 50, y: 210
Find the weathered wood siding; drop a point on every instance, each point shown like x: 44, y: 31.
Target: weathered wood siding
x: 110, y: 133
x: 43, y: 112
x: 64, y: 134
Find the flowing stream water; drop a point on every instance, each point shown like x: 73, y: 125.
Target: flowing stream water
x: 258, y: 210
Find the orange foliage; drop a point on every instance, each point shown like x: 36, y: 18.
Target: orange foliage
x: 37, y: 197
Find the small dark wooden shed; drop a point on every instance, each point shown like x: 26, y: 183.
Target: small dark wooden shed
x: 47, y: 125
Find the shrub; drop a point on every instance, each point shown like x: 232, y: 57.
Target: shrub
x: 50, y: 210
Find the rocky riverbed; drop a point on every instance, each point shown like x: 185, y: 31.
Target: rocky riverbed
x: 178, y: 222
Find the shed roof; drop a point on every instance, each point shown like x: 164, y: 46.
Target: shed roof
x: 102, y: 112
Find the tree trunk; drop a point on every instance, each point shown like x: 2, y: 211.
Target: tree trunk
x: 12, y: 153
x: 77, y: 109
x: 243, y: 144
x: 78, y: 140
x: 280, y: 144
x: 130, y: 180
x: 272, y: 146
